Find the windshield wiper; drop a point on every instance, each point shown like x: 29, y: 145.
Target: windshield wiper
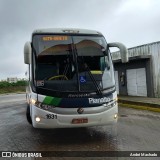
x: 93, y: 79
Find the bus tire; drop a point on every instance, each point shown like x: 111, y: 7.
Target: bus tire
x: 28, y: 115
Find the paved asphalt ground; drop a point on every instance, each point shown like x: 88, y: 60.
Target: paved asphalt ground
x: 137, y: 130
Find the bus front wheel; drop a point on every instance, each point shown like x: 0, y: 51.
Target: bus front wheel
x: 28, y: 115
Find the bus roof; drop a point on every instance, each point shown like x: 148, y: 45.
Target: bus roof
x: 66, y: 31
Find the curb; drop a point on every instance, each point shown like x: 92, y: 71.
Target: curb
x: 152, y: 105
x: 139, y: 105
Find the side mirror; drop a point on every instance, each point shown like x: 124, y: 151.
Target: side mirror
x: 27, y: 53
x: 123, y: 50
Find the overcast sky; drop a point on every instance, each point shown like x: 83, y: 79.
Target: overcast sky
x: 132, y: 22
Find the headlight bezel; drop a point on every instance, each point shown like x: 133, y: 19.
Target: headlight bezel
x: 42, y: 105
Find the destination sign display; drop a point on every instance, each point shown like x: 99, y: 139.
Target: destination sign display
x: 54, y: 38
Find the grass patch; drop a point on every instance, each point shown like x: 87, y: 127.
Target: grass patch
x: 12, y: 89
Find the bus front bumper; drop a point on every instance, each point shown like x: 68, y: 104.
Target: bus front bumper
x: 45, y: 119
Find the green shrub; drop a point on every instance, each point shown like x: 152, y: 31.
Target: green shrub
x: 7, y: 84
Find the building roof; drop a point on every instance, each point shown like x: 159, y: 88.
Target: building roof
x: 142, y: 50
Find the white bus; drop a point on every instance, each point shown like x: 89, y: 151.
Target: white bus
x: 71, y: 79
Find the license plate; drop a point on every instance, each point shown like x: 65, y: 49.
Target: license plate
x: 79, y: 120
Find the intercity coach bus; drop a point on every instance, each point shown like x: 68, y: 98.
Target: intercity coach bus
x: 71, y: 79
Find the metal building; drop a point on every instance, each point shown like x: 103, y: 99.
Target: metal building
x: 141, y: 76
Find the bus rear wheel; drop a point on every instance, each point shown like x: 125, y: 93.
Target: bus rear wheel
x: 28, y: 115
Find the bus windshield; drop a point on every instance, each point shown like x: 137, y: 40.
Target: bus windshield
x: 71, y: 63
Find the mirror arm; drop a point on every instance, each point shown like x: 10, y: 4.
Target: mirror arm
x: 123, y: 50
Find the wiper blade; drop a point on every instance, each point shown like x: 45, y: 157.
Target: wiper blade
x: 93, y: 79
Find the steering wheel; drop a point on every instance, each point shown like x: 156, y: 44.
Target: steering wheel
x: 57, y: 77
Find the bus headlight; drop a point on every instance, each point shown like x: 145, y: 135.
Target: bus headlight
x: 46, y: 107
x: 111, y: 104
x: 37, y: 119
x: 42, y: 106
x: 33, y: 101
x: 115, y: 116
x: 114, y: 103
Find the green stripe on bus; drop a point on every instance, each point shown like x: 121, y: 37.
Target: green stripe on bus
x: 47, y: 100
x: 52, y: 100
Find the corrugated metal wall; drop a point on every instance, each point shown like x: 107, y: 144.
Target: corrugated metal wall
x: 152, y: 49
